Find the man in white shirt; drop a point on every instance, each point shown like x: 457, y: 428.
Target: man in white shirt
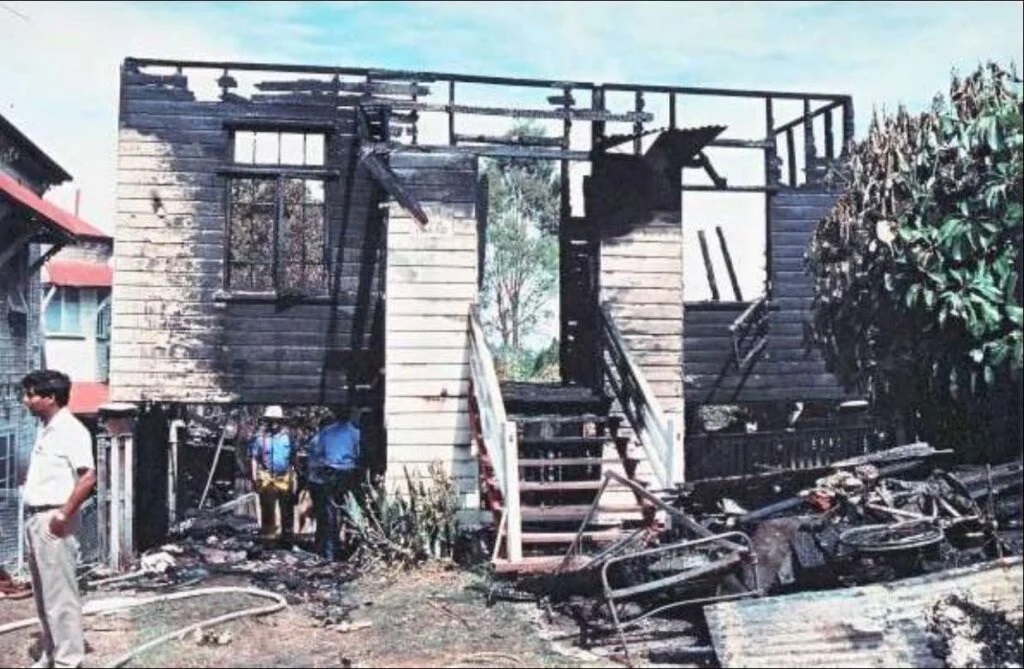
x: 61, y: 476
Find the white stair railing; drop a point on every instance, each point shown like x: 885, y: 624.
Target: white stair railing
x: 661, y: 436
x: 498, y: 433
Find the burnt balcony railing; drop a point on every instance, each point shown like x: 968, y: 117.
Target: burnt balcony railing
x: 719, y: 455
x: 660, y: 435
x: 750, y: 333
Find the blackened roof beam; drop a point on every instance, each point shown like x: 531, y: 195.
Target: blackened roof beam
x: 338, y: 86
x: 371, y: 156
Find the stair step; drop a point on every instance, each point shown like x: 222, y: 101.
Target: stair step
x: 565, y: 462
x: 561, y: 418
x: 538, y: 564
x: 555, y: 486
x: 548, y: 398
x: 567, y: 537
x: 565, y: 441
x: 576, y: 512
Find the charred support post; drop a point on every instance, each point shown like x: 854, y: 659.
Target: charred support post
x: 830, y: 151
x: 810, y: 150
x: 451, y: 114
x: 772, y: 176
x: 791, y: 157
x: 847, y: 125
x: 728, y: 264
x: 708, y: 268
x: 638, y: 126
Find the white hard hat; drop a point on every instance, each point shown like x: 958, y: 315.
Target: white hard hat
x: 273, y: 411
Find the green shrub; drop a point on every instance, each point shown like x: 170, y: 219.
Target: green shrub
x: 408, y: 525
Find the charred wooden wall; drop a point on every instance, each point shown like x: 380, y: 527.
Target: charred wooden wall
x: 787, y: 370
x: 176, y: 334
x: 431, y: 282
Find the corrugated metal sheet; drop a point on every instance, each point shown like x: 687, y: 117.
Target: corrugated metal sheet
x: 70, y: 223
x: 881, y: 625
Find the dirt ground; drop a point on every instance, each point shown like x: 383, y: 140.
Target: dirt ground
x: 431, y: 617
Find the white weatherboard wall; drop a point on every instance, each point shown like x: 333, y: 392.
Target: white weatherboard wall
x: 430, y: 284
x: 642, y: 283
x: 641, y: 280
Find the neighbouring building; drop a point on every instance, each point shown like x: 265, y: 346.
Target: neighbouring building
x: 76, y: 320
x: 32, y: 230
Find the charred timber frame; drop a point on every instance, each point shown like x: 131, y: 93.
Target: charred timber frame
x: 378, y: 83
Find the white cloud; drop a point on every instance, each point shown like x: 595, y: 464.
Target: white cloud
x: 60, y: 79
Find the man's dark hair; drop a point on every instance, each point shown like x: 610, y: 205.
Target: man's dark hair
x: 341, y: 412
x: 48, y: 383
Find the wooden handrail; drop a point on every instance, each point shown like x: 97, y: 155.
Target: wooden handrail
x: 656, y: 433
x: 498, y: 432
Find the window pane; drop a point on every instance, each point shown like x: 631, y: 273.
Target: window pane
x: 267, y: 148
x: 315, y: 149
x: 245, y: 145
x: 53, y: 311
x: 251, y: 226
x: 72, y: 318
x: 292, y: 152
x: 314, y: 192
x: 303, y: 268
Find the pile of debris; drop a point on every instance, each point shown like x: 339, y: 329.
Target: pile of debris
x: 871, y: 519
x: 971, y: 636
x: 223, y: 543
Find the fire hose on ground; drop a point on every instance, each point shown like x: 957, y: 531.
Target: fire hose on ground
x: 119, y: 604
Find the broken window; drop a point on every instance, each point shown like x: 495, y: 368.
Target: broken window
x: 277, y: 222
x: 64, y: 312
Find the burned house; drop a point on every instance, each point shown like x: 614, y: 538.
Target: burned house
x: 310, y: 235
x: 32, y: 231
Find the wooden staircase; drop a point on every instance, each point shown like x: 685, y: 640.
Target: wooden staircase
x: 566, y: 441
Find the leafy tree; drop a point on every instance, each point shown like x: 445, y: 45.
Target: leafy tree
x: 521, y: 268
x: 917, y: 268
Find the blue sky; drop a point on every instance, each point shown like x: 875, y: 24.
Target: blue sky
x: 59, y: 78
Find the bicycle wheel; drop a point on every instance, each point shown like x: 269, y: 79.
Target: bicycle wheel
x: 894, y: 537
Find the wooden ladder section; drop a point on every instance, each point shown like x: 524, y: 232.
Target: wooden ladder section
x: 566, y: 441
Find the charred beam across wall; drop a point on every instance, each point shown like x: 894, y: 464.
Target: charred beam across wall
x: 337, y: 86
x: 390, y: 182
x: 428, y: 77
x: 377, y: 74
x: 523, y: 140
x: 570, y: 113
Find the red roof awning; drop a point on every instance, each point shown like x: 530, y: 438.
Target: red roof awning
x: 69, y: 223
x: 87, y: 397
x: 78, y: 273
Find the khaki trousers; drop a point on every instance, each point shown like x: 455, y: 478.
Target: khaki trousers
x: 52, y: 563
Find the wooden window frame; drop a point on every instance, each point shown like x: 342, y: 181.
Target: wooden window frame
x: 58, y: 298
x: 280, y: 173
